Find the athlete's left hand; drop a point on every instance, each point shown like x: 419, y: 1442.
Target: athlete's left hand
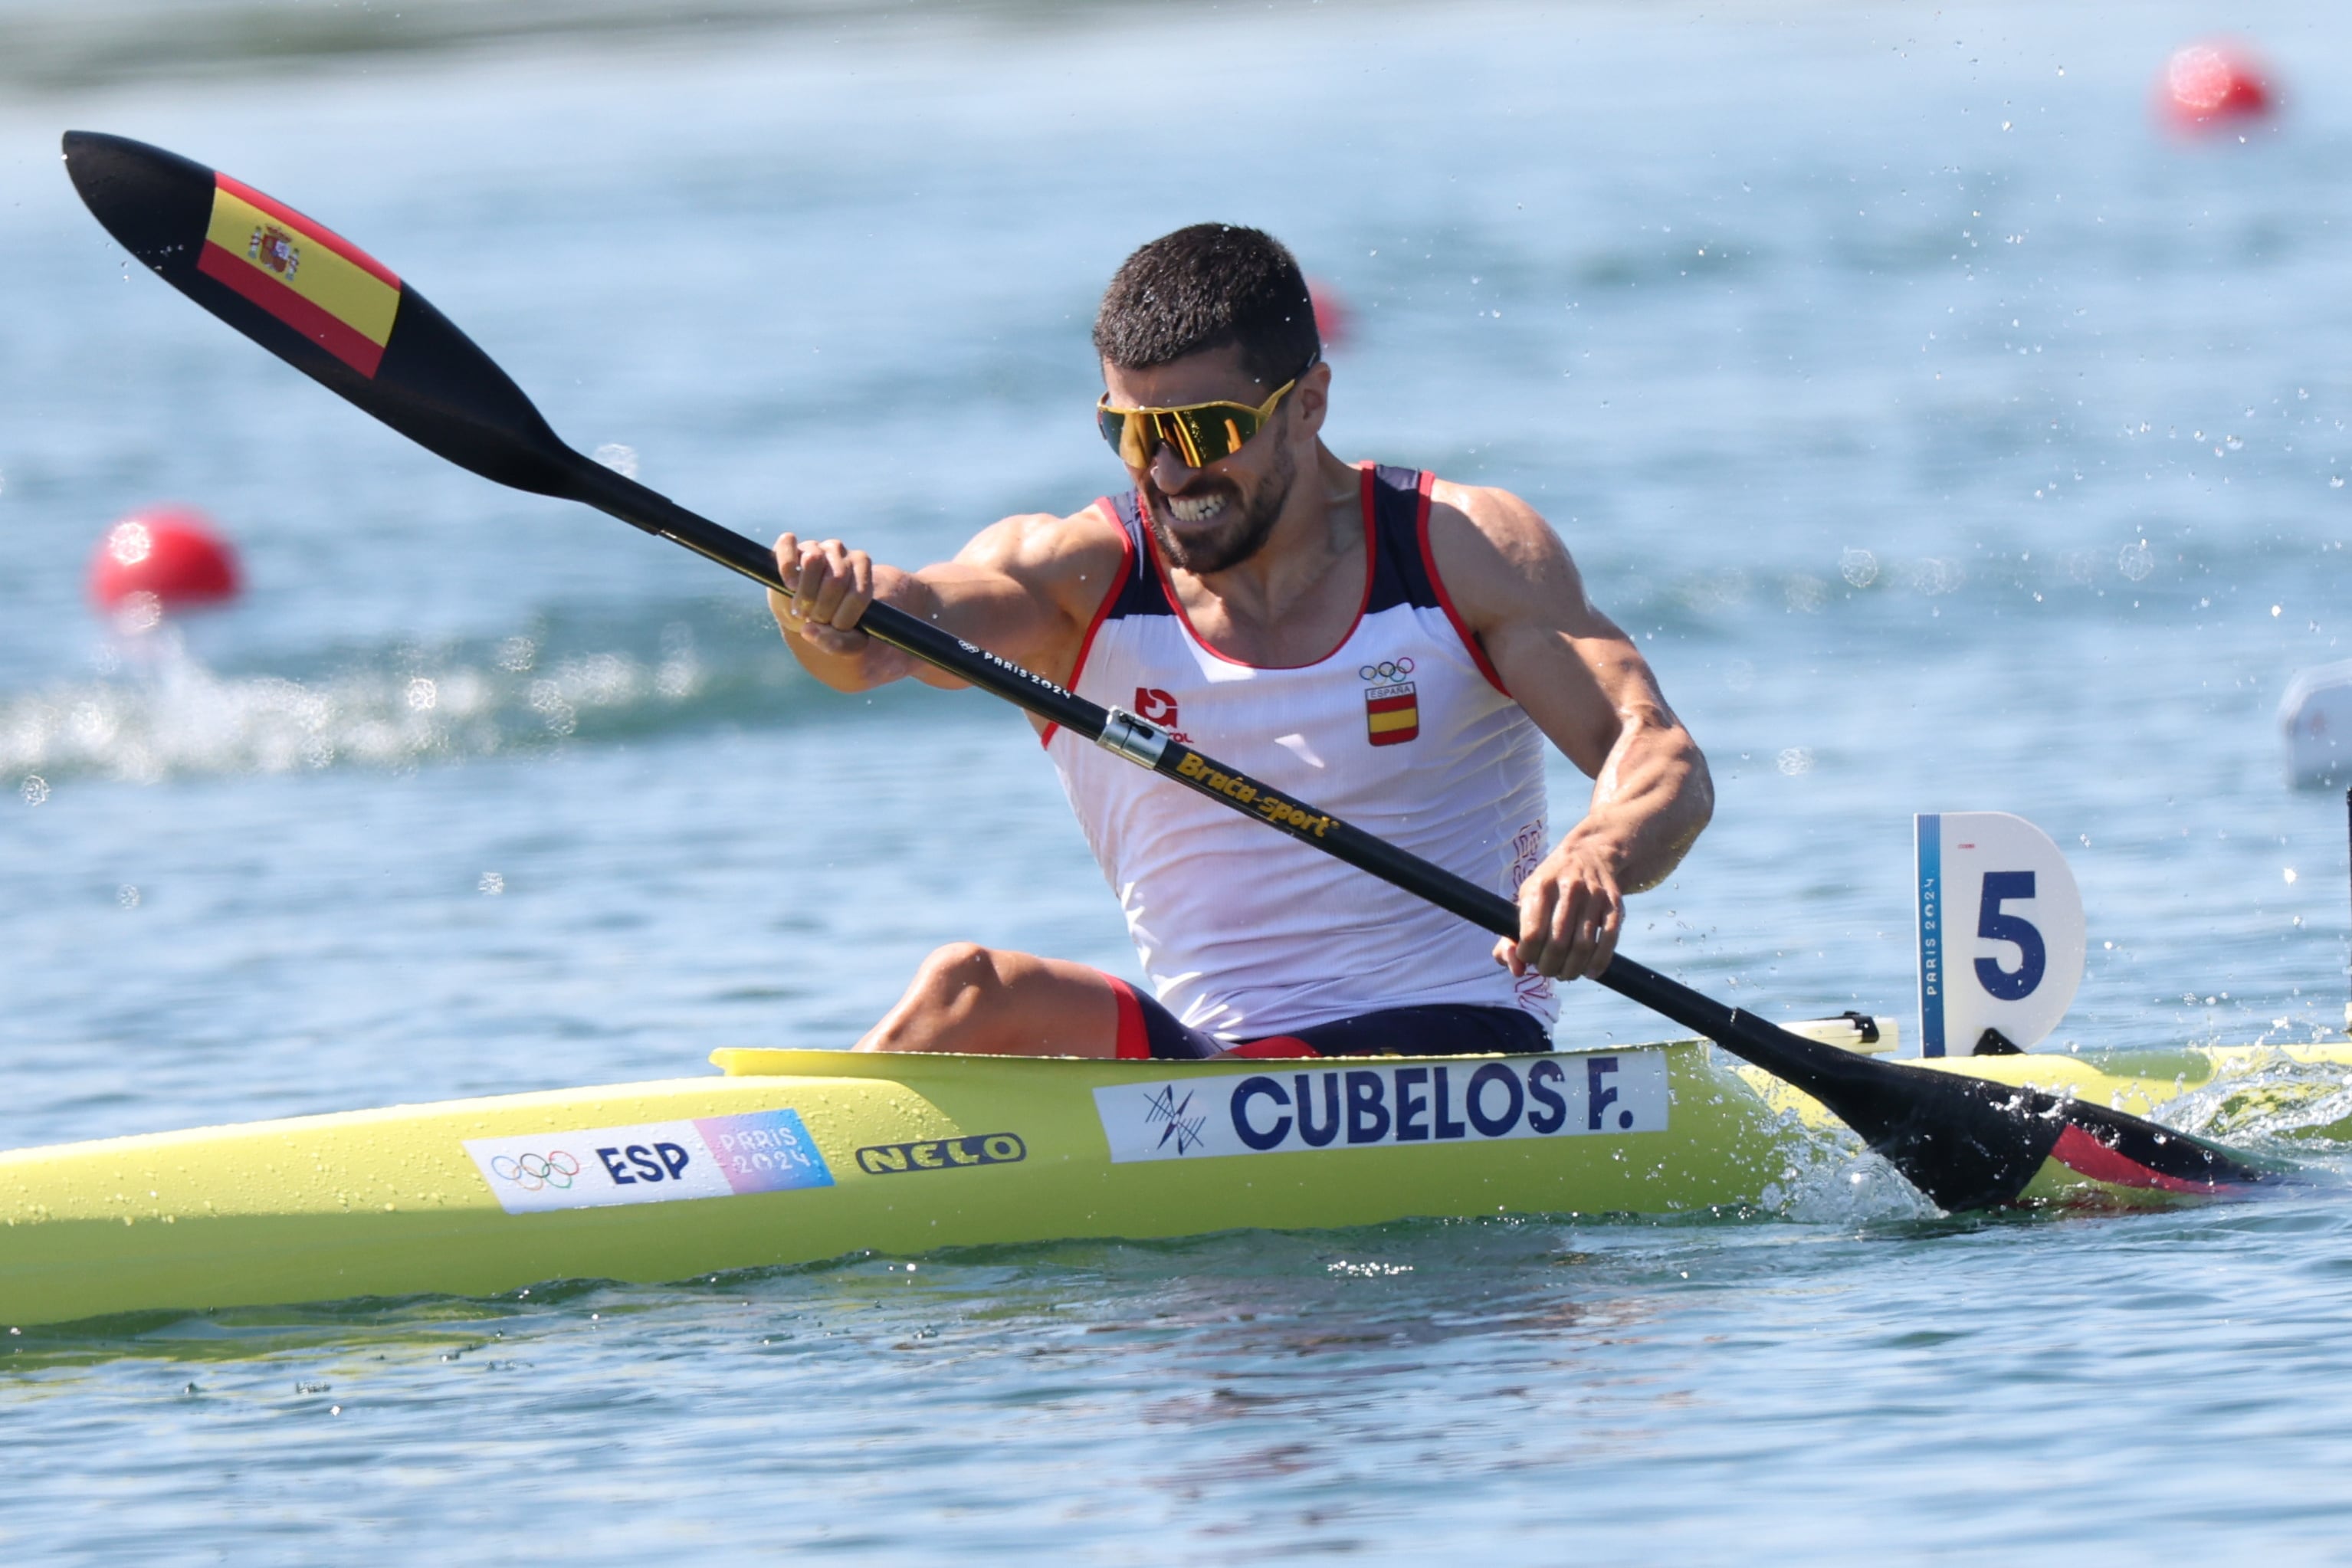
x: 1570, y: 915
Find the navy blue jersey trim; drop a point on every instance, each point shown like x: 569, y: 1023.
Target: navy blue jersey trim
x: 1398, y: 575
x: 1429, y: 1029
x: 1140, y: 593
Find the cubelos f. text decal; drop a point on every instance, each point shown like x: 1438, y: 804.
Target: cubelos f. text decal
x: 1318, y: 1107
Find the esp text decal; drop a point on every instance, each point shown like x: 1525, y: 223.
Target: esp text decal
x: 652, y: 1162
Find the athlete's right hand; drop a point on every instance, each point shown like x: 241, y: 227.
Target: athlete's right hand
x: 832, y: 585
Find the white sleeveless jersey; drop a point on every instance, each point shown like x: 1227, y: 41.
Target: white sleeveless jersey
x: 1405, y: 731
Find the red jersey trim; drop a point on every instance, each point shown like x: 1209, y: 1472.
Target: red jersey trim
x: 1133, y: 1042
x: 1102, y: 610
x: 1444, y: 599
x: 1372, y: 564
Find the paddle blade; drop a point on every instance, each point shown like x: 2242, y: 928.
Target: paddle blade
x: 1967, y: 1143
x: 1972, y: 1143
x: 320, y: 303
x: 2103, y: 1156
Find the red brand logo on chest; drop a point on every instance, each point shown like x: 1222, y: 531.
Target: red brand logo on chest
x: 1154, y: 705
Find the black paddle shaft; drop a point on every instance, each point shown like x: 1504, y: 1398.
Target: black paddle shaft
x: 1965, y: 1142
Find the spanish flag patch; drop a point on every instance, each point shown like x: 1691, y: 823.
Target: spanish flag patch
x: 306, y: 275
x: 1393, y: 713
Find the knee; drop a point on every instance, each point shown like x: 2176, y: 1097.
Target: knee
x: 961, y: 971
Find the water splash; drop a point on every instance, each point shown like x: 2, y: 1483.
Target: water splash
x: 163, y: 712
x: 2275, y: 1100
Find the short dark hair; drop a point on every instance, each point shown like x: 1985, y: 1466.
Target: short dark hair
x: 1202, y: 288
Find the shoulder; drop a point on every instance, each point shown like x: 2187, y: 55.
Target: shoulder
x: 1498, y: 556
x: 1073, y: 560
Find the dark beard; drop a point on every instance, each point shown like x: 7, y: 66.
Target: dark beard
x: 1238, y: 536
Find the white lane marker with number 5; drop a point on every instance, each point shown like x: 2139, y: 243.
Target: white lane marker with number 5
x: 2000, y: 930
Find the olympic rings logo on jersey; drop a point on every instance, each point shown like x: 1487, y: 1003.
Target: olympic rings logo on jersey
x: 533, y: 1171
x: 1387, y: 670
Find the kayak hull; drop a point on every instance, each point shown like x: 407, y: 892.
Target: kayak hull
x: 850, y: 1153
x: 796, y: 1157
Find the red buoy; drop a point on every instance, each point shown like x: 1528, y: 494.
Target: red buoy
x: 173, y: 554
x: 2213, y: 86
x: 1332, y: 317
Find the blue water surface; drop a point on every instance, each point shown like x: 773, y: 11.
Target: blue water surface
x: 1951, y: 436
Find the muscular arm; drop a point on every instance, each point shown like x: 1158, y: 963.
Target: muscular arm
x: 1024, y: 588
x: 1587, y: 687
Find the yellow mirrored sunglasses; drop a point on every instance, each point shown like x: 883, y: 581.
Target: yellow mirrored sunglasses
x: 1202, y: 433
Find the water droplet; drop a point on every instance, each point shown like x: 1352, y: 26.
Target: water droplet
x: 1859, y: 567
x: 622, y: 460
x: 2136, y: 561
x: 35, y: 789
x: 127, y: 896
x: 1795, y: 759
x: 492, y: 885
x: 129, y: 542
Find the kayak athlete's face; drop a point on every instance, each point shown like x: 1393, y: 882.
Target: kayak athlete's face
x: 1220, y: 514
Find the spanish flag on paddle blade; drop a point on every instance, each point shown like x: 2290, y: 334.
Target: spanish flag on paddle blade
x: 301, y: 271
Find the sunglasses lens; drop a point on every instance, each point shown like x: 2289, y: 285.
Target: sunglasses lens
x: 1127, y: 433
x: 1217, y: 431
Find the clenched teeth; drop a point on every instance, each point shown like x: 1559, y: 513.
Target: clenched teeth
x: 1195, y: 509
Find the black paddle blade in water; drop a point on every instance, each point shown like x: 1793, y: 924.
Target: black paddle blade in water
x: 320, y: 303
x: 332, y: 311
x: 1967, y: 1143
x: 1970, y: 1144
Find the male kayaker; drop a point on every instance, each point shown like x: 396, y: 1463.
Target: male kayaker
x: 1389, y: 647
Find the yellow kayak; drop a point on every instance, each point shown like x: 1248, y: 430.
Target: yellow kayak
x: 797, y: 1156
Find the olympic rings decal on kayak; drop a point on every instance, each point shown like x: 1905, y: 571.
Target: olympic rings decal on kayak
x: 533, y: 1171
x: 1387, y: 670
